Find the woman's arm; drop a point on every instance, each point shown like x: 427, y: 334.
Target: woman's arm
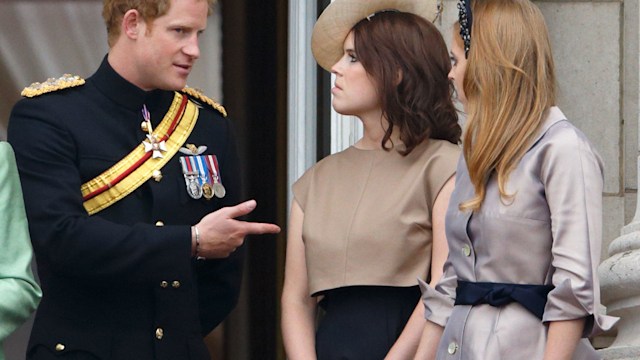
x: 406, y: 345
x: 298, y: 308
x: 429, y: 341
x: 562, y: 339
x: 20, y: 293
x: 572, y: 174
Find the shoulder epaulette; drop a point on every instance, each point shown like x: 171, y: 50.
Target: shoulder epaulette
x: 195, y: 93
x: 64, y: 82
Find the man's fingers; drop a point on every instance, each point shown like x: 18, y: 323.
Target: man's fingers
x: 240, y: 209
x: 260, y: 228
x: 251, y: 227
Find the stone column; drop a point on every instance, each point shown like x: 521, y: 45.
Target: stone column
x: 620, y: 273
x: 620, y: 286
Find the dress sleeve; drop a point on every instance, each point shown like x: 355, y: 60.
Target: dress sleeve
x: 20, y: 292
x: 300, y: 188
x: 442, y: 167
x: 572, y: 176
x: 438, y: 301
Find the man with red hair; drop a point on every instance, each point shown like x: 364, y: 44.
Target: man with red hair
x: 131, y: 184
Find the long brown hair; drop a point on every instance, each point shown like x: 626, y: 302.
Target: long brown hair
x: 509, y: 84
x: 407, y: 57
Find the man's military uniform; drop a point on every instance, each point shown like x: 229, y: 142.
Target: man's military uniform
x: 110, y: 215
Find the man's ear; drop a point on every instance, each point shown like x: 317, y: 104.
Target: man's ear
x: 132, y: 24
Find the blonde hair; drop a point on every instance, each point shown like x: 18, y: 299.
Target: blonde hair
x: 509, y: 84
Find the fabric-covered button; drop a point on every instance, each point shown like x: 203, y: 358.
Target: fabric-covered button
x: 466, y: 250
x: 452, y: 348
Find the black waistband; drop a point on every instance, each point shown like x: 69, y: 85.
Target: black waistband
x: 531, y: 297
x: 383, y: 294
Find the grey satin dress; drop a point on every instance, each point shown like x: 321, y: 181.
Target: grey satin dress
x: 549, y: 232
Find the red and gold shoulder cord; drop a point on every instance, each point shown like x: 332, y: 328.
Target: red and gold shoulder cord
x: 138, y: 166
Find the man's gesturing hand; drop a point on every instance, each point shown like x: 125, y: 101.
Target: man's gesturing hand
x: 221, y: 234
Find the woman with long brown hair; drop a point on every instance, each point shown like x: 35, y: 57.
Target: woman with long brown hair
x: 368, y: 221
x: 524, y: 221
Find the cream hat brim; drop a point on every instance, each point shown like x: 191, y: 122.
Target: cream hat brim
x: 337, y: 20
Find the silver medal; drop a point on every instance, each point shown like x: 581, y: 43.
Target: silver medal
x: 219, y: 190
x: 193, y: 186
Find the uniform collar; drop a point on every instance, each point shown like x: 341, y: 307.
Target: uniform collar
x: 121, y: 91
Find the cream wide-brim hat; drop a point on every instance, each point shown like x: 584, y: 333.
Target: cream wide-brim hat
x: 337, y: 20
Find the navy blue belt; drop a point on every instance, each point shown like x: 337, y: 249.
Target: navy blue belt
x: 531, y: 297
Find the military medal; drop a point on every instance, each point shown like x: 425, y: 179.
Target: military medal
x: 207, y: 191
x: 219, y: 190
x: 193, y: 188
x: 214, y: 171
x: 203, y: 172
x: 158, y: 147
x: 152, y: 143
x: 191, y: 178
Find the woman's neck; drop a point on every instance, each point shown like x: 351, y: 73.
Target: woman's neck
x: 374, y: 131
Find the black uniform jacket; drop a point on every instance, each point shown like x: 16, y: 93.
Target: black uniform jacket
x: 120, y: 284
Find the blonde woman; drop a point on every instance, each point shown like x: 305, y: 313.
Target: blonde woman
x: 368, y: 221
x: 524, y: 221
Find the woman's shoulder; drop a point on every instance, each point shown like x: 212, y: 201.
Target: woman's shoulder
x: 328, y: 163
x: 437, y: 146
x: 7, y: 157
x: 563, y: 144
x: 331, y: 161
x: 5, y: 149
x: 561, y: 136
x: 565, y: 133
x: 325, y: 168
x: 438, y: 151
